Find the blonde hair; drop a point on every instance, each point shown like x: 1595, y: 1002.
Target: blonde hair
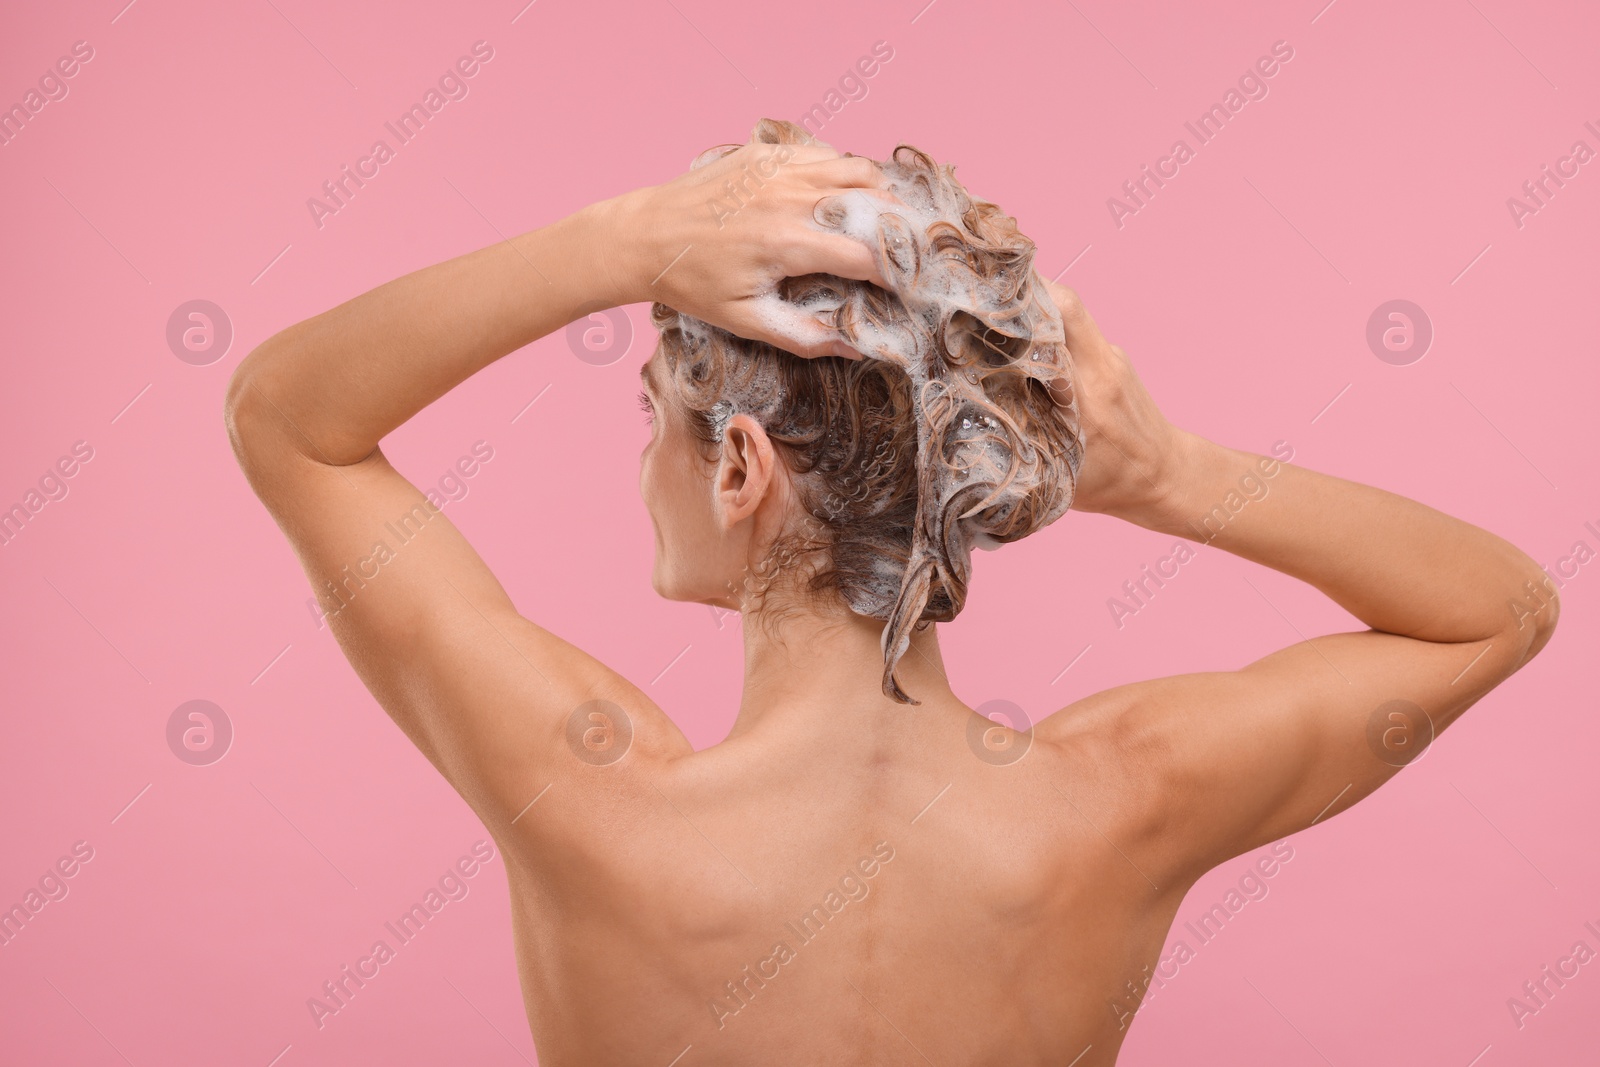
x: 945, y: 437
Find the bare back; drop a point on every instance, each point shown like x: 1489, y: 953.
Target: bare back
x: 933, y: 908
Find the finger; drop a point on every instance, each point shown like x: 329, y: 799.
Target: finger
x: 846, y: 172
x: 857, y: 213
x: 785, y: 326
x: 842, y: 202
x: 783, y: 155
x: 836, y: 254
x: 1083, y: 335
x: 792, y: 155
x: 801, y: 154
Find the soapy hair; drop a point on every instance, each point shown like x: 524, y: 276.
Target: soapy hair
x: 944, y: 438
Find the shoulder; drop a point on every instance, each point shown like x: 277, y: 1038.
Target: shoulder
x: 597, y: 776
x: 1125, y: 734
x: 1119, y: 755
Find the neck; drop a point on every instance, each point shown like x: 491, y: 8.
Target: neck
x: 823, y: 675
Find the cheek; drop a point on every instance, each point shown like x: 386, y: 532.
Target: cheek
x: 664, y: 478
x: 660, y: 496
x: 682, y: 489
x: 650, y: 466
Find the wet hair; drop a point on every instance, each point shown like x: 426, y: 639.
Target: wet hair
x: 944, y: 438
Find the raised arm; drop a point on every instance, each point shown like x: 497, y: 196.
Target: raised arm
x: 1240, y: 758
x: 483, y: 692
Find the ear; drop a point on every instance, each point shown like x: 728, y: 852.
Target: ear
x: 746, y: 469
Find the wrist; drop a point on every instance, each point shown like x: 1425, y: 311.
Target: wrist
x: 1208, y: 485
x: 612, y: 234
x: 1180, y: 468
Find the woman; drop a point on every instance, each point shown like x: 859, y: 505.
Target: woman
x: 845, y: 400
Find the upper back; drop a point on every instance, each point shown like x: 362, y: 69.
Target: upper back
x: 757, y: 900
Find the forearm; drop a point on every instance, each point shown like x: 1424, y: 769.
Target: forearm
x: 345, y: 378
x: 1399, y: 566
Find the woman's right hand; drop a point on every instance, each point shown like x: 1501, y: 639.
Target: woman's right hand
x: 715, y: 242
x: 1132, y: 455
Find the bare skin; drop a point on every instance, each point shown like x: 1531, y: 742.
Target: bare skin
x: 982, y: 912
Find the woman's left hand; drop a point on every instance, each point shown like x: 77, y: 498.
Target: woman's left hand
x: 714, y: 243
x: 1132, y: 457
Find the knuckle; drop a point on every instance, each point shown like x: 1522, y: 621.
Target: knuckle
x: 862, y: 170
x: 789, y: 255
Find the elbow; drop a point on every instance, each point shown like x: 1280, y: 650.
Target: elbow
x: 1534, y: 611
x: 234, y: 404
x: 1545, y: 627
x: 241, y: 410
x: 233, y: 400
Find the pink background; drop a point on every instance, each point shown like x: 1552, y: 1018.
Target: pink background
x: 179, y: 166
